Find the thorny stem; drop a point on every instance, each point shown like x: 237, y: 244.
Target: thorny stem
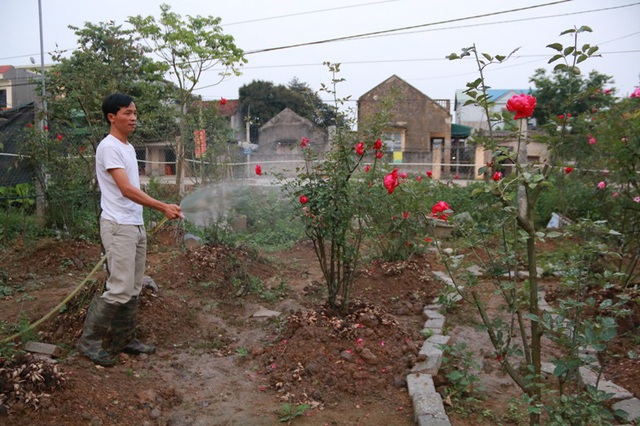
x: 496, y: 344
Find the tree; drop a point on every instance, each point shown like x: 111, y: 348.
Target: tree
x: 204, y: 117
x: 567, y: 99
x: 322, y: 113
x: 559, y: 93
x: 188, y: 47
x: 262, y: 100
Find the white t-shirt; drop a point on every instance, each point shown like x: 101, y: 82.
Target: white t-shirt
x: 113, y: 154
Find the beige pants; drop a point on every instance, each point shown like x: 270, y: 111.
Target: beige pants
x: 126, y: 247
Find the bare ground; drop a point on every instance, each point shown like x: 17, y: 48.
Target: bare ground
x: 216, y: 363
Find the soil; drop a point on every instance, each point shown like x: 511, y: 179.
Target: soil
x: 217, y: 363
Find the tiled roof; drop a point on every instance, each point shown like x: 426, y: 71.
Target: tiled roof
x: 5, y: 68
x: 229, y: 108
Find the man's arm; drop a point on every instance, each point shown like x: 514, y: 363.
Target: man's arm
x: 171, y: 211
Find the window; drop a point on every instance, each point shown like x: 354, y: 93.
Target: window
x: 394, y: 140
x: 3, y: 99
x: 436, y: 141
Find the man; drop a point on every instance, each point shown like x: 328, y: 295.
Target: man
x: 113, y: 314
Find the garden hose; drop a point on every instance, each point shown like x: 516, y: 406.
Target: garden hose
x: 71, y: 295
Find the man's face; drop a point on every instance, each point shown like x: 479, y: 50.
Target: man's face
x: 125, y: 119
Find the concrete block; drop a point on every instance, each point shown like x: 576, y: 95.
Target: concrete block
x: 191, y: 241
x: 430, y: 420
x: 444, y: 277
x: 430, y: 367
x: 439, y: 339
x: 431, y: 331
x: 589, y: 378
x: 435, y: 323
x: 45, y: 348
x: 427, y: 403
x: 630, y: 406
x: 265, y: 313
x: 431, y: 314
x: 475, y: 270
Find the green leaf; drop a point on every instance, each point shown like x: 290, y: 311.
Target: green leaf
x: 560, y: 369
x: 556, y: 46
x: 568, y: 50
x: 582, y: 58
x: 555, y: 58
x: 569, y: 31
x: 487, y: 56
x: 585, y: 28
x: 560, y: 67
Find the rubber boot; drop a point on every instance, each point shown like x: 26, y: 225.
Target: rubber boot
x: 124, y: 326
x: 95, y: 331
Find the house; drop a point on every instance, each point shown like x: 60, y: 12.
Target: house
x: 473, y: 115
x: 17, y: 87
x: 158, y: 158
x: 280, y: 137
x: 419, y: 126
x: 230, y: 109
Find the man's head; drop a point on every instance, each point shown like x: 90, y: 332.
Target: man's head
x: 120, y: 111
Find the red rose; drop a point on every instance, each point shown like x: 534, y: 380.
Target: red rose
x: 360, y: 148
x: 523, y: 105
x: 304, y: 199
x: 391, y: 181
x: 258, y: 170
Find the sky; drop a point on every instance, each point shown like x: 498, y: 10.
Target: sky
x: 435, y: 29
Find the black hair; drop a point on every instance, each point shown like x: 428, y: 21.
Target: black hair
x: 112, y: 104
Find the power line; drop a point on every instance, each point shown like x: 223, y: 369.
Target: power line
x: 246, y: 22
x: 510, y: 22
x: 309, y: 12
x: 374, y: 33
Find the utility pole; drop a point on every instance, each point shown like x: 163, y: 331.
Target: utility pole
x: 247, y: 149
x: 40, y: 182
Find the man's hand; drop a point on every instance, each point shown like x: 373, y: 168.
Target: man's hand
x: 172, y: 211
